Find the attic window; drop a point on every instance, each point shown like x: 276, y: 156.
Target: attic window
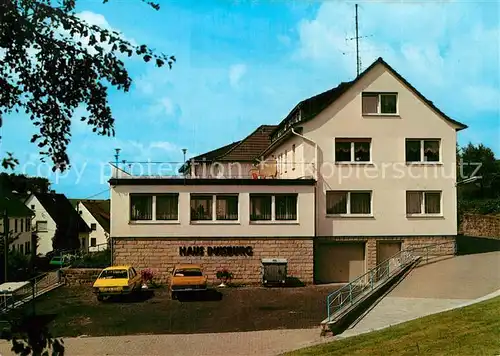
x: 380, y: 103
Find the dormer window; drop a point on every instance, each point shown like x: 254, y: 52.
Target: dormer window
x: 379, y: 103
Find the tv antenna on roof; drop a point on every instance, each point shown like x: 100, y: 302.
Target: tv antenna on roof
x: 357, y: 37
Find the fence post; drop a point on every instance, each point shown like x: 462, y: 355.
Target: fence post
x: 328, y: 306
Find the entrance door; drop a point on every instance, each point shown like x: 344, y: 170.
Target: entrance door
x: 339, y: 262
x: 387, y: 249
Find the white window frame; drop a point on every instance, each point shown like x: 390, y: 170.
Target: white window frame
x: 286, y: 161
x: 153, y: 211
x: 273, y: 210
x: 422, y: 151
x: 214, y: 209
x: 349, y: 214
x: 42, y: 221
x: 379, y: 106
x: 422, y: 206
x: 353, y: 155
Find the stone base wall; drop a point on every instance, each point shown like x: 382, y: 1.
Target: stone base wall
x: 161, y: 254
x: 480, y: 226
x: 444, y: 245
x: 81, y: 276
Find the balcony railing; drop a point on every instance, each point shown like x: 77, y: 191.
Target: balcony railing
x: 221, y: 170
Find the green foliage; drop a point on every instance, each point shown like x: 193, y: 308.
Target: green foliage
x: 101, y: 259
x: 23, y: 184
x: 483, y: 207
x: 30, y: 336
x: 18, y: 266
x: 479, y: 161
x: 53, y: 62
x: 66, y: 238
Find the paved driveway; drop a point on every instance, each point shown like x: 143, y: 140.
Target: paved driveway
x: 262, y: 343
x: 434, y: 288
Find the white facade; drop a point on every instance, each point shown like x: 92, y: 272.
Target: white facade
x: 387, y: 175
x: 20, y: 228
x: 45, y: 227
x: 183, y: 226
x: 42, y: 224
x: 98, y: 237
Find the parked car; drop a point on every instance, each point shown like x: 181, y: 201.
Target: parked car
x: 60, y: 261
x: 187, y: 278
x: 117, y: 280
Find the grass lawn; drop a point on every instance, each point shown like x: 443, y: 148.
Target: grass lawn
x: 473, y: 330
x: 233, y: 309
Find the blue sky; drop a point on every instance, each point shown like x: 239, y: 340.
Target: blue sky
x: 245, y: 63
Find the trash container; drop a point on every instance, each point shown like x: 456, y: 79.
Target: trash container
x: 274, y: 271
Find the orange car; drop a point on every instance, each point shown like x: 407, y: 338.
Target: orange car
x: 187, y: 278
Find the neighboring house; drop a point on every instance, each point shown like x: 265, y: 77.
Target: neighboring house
x: 95, y: 213
x: 52, y: 211
x: 360, y: 172
x: 19, y: 224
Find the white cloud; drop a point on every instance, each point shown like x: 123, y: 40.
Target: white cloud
x: 284, y: 39
x: 163, y: 107
x: 167, y: 106
x: 236, y: 72
x: 94, y: 19
x: 443, y: 48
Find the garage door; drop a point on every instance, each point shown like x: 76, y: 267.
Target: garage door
x: 339, y: 262
x: 387, y: 249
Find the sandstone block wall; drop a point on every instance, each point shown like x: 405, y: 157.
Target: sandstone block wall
x: 480, y: 226
x: 81, y: 276
x: 161, y: 254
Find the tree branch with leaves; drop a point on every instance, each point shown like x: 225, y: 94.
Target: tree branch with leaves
x: 52, y: 62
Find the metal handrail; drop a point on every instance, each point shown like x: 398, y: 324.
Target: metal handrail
x: 35, y: 287
x: 350, y: 293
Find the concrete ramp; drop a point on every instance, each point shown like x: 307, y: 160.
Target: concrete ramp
x: 434, y: 288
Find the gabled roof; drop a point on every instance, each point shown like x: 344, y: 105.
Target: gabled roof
x: 14, y: 207
x: 61, y: 211
x: 309, y: 108
x: 247, y: 149
x: 209, y: 156
x: 100, y: 210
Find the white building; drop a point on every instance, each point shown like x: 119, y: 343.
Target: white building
x: 354, y: 175
x: 95, y: 213
x: 19, y: 224
x: 51, y: 211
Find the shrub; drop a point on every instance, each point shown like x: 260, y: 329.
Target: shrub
x: 224, y: 275
x: 147, y: 275
x: 101, y: 259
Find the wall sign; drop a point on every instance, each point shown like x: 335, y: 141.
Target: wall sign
x: 216, y: 251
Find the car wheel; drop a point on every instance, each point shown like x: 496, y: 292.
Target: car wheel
x: 174, y: 296
x: 100, y: 298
